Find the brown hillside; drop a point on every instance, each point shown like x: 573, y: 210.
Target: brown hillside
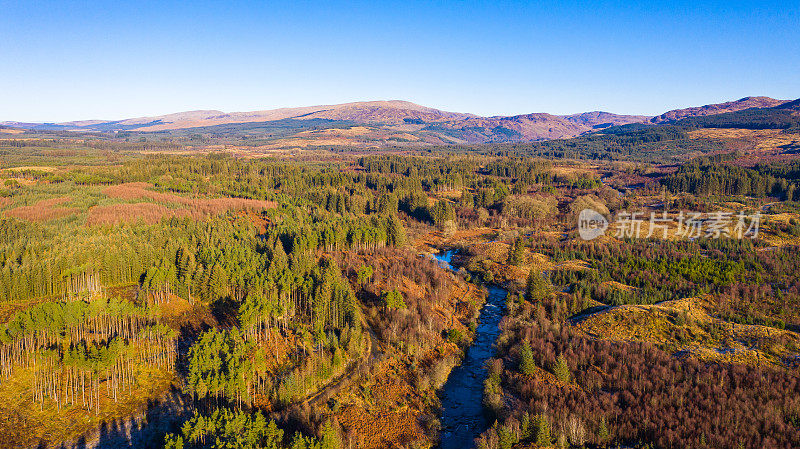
x: 597, y: 119
x: 390, y: 112
x: 719, y: 108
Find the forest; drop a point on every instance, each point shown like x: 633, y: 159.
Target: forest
x: 704, y: 177
x: 782, y: 117
x: 291, y: 300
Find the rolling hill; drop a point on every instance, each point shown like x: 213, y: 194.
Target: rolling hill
x: 401, y: 116
x: 719, y: 108
x: 395, y: 122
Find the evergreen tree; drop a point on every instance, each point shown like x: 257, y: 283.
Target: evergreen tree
x: 525, y: 427
x: 561, y: 369
x: 505, y: 437
x: 526, y: 364
x: 537, y: 288
x: 441, y: 212
x: 217, y: 283
x: 542, y: 431
x: 396, y: 234
x: 602, y: 431
x: 330, y: 437
x: 393, y: 299
x: 516, y: 255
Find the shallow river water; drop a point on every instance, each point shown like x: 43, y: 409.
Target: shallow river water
x: 463, y: 417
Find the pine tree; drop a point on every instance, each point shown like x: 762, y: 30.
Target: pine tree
x: 364, y: 274
x: 441, y: 212
x: 330, y: 437
x: 561, y: 369
x: 537, y: 289
x: 526, y: 364
x: 505, y: 437
x: 395, y: 233
x: 542, y: 431
x: 602, y: 431
x: 516, y: 256
x: 393, y: 299
x: 525, y: 427
x: 173, y: 442
x: 387, y: 204
x: 217, y: 283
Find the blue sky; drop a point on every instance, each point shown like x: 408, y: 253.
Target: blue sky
x: 73, y: 60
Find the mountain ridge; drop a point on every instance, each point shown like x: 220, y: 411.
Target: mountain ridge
x: 718, y: 108
x: 400, y: 116
x: 380, y: 111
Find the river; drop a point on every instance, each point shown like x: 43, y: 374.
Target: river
x: 463, y: 417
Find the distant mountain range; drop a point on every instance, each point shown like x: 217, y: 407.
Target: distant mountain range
x: 719, y: 108
x: 398, y: 121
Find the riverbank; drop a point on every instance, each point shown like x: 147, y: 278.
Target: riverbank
x: 463, y: 417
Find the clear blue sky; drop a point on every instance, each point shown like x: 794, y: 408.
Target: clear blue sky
x: 72, y: 60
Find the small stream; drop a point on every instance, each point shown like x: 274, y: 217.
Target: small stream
x: 463, y: 418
